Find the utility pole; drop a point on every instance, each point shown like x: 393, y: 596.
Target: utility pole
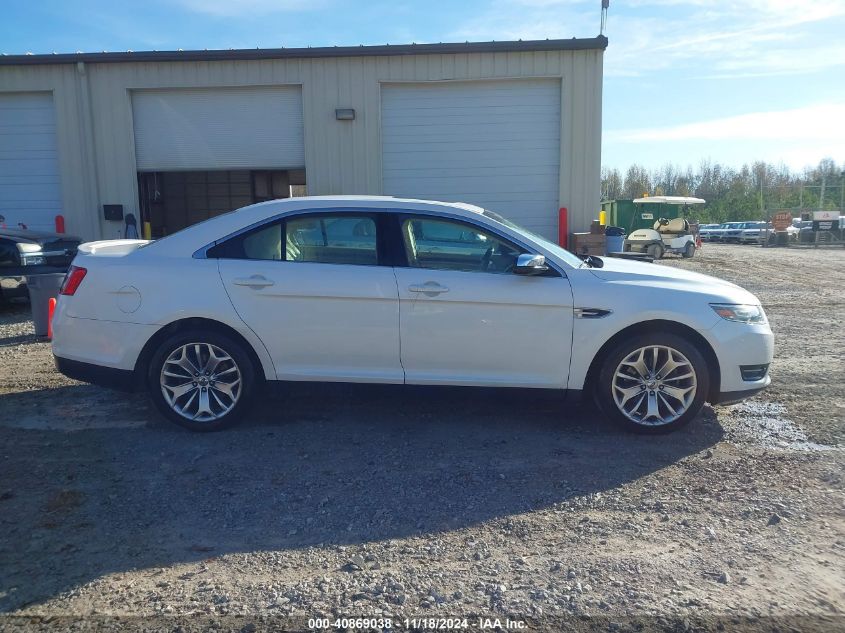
x: 821, y: 195
x: 842, y: 193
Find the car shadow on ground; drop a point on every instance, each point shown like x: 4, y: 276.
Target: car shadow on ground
x: 313, y: 465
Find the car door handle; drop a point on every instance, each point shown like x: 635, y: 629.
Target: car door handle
x: 430, y: 288
x: 255, y: 281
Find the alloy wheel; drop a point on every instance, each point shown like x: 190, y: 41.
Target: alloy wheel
x: 200, y: 382
x: 654, y: 385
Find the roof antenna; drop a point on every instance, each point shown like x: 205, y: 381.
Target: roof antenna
x: 604, y: 6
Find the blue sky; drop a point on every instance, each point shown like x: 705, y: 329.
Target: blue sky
x: 684, y: 80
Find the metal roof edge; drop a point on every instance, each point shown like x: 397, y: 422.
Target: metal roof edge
x: 573, y: 44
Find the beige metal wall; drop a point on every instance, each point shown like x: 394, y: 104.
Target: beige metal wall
x: 96, y: 141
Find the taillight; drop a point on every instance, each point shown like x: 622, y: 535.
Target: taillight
x: 74, y: 277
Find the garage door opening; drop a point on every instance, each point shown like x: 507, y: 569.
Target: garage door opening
x: 173, y: 200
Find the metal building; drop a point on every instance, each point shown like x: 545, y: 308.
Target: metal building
x: 175, y: 137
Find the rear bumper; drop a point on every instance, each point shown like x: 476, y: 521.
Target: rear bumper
x: 98, y: 342
x: 122, y: 379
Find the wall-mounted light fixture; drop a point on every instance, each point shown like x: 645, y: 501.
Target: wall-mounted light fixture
x: 344, y: 114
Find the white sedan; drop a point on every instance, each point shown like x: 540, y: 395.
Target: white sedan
x: 385, y: 290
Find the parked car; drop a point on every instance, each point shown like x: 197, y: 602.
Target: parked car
x: 753, y: 232
x: 716, y: 234
x: 732, y: 232
x: 805, y: 231
x: 704, y: 231
x: 386, y: 290
x: 25, y: 252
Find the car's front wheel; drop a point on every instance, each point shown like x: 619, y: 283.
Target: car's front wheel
x: 655, y: 251
x: 653, y: 383
x: 201, y: 380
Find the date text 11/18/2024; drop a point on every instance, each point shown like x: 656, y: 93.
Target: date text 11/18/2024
x: 417, y: 624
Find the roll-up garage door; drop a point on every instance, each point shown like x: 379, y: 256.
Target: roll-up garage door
x: 30, y: 188
x: 219, y: 128
x: 491, y: 143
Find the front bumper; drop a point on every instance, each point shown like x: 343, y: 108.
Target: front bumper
x: 13, y: 286
x: 739, y: 345
x: 732, y: 397
x: 639, y: 246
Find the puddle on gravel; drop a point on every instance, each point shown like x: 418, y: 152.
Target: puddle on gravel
x: 767, y: 424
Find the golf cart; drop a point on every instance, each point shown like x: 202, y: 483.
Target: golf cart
x: 666, y: 236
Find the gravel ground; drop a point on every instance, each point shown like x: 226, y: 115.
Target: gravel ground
x: 340, y: 501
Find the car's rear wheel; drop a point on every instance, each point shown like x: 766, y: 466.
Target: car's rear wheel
x: 201, y: 380
x: 653, y: 383
x: 689, y: 250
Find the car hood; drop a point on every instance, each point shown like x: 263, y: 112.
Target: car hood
x: 36, y: 237
x: 630, y: 272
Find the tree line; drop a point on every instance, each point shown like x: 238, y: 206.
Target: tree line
x: 751, y: 192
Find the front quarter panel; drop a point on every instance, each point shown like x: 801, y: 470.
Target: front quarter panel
x: 631, y: 302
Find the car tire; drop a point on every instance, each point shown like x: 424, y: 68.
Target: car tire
x: 634, y: 410
x: 655, y: 251
x: 689, y: 250
x: 221, y: 389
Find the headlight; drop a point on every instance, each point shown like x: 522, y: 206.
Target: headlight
x: 742, y: 313
x: 24, y: 247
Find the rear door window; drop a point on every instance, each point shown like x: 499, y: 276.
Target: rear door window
x: 326, y: 238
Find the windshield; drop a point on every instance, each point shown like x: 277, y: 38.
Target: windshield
x: 559, y: 251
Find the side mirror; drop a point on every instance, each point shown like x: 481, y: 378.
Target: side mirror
x: 529, y: 264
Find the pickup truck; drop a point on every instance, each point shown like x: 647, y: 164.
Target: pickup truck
x: 24, y: 253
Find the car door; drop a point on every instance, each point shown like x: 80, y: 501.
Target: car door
x: 314, y: 290
x: 467, y: 319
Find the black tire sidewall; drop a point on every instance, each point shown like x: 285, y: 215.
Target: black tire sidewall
x: 689, y: 250
x: 656, y: 249
x: 229, y: 345
x: 604, y: 390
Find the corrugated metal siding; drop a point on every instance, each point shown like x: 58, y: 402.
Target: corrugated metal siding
x: 491, y: 143
x: 30, y: 188
x: 219, y: 128
x: 95, y: 123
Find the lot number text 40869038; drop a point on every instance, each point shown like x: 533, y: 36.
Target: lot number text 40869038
x: 416, y: 624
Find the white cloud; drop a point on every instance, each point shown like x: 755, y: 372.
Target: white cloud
x: 817, y: 122
x: 699, y: 37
